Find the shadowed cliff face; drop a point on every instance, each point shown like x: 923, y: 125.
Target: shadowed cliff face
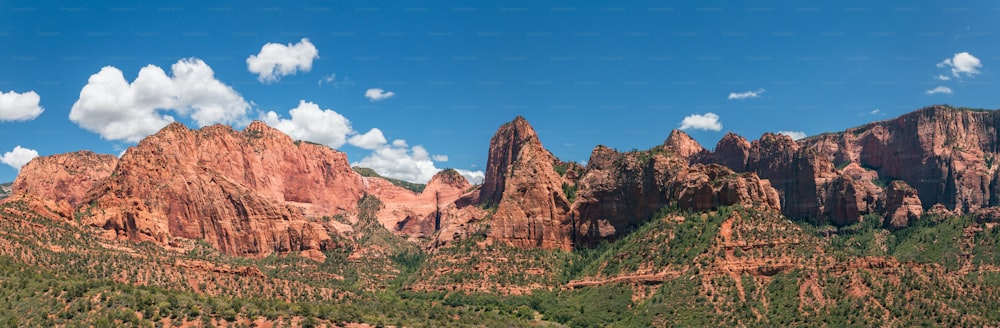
x: 945, y: 155
x: 540, y: 207
x: 257, y: 192
x: 521, y: 181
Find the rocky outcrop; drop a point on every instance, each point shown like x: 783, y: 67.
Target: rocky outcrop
x: 945, y: 154
x: 622, y: 190
x: 505, y: 148
x: 64, y: 179
x: 420, y: 215
x: 902, y: 206
x: 732, y: 151
x: 616, y: 191
x: 244, y: 192
x: 681, y: 144
x: 532, y: 208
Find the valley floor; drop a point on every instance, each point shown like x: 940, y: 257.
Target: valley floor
x: 731, y: 267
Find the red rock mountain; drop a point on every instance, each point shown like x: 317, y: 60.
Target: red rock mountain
x: 945, y: 154
x: 250, y: 193
x: 532, y: 209
x: 539, y: 207
x: 63, y: 180
x: 245, y: 192
x: 256, y: 192
x: 418, y: 214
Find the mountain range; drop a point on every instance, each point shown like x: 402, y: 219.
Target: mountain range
x: 890, y: 223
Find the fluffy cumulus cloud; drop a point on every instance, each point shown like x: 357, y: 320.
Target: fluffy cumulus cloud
x: 118, y: 110
x: 709, y: 122
x: 796, y: 135
x: 276, y: 60
x: 745, y: 95
x: 939, y: 89
x: 401, y: 162
x: 19, y: 106
x: 370, y: 140
x: 377, y: 94
x: 962, y: 63
x: 309, y: 122
x: 394, y: 159
x: 475, y: 177
x: 18, y: 157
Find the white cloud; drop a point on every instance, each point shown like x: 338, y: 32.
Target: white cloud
x: 400, y: 162
x: 474, y: 177
x: 875, y: 111
x: 19, y: 106
x: 377, y: 94
x: 962, y: 63
x: 276, y: 60
x: 118, y: 110
x: 796, y: 135
x: 942, y: 77
x: 709, y: 121
x: 370, y: 140
x: 745, y: 95
x: 394, y: 160
x: 309, y: 122
x: 939, y: 89
x: 18, y: 157
x: 327, y: 79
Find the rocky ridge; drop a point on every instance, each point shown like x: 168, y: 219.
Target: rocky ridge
x: 945, y: 154
x: 540, y: 207
x: 257, y: 191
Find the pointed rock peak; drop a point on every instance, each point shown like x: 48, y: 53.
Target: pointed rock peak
x: 258, y: 126
x: 449, y: 177
x: 769, y: 139
x: 732, y: 138
x: 169, y: 132
x: 603, y: 157
x: 261, y: 128
x: 682, y: 144
x: 505, y: 149
x: 518, y: 128
x: 174, y: 127
x: 733, y: 151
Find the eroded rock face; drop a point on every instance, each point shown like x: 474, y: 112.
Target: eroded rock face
x: 681, y: 144
x: 732, y: 151
x: 63, y: 179
x: 622, y: 190
x: 420, y: 215
x: 532, y: 209
x: 945, y: 154
x: 505, y: 149
x: 245, y: 192
x: 902, y: 205
x: 616, y: 191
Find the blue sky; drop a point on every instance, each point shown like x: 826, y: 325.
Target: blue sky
x: 617, y: 74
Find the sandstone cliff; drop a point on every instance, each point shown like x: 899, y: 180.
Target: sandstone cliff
x: 540, y: 206
x: 63, y: 180
x: 945, y: 154
x: 419, y: 215
x: 532, y: 209
x: 622, y: 190
x: 245, y: 192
